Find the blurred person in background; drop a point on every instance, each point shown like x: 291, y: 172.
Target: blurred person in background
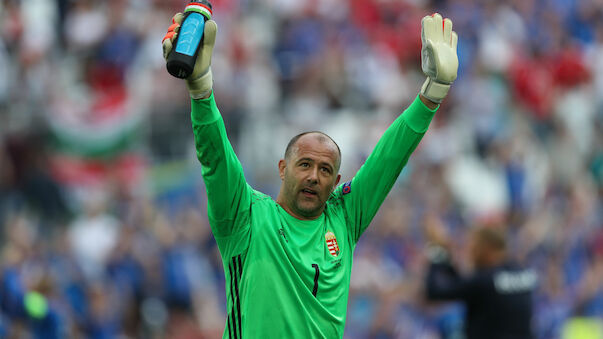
x: 28, y: 293
x: 288, y: 261
x: 497, y: 295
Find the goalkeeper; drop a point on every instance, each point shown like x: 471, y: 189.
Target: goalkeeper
x: 288, y: 261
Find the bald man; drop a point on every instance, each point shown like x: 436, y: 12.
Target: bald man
x: 288, y: 261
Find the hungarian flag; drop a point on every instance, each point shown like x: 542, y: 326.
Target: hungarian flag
x: 96, y: 131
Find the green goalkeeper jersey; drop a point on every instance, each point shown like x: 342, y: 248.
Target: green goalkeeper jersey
x: 285, y: 277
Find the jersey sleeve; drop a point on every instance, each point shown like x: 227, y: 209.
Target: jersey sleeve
x: 364, y: 194
x: 228, y: 194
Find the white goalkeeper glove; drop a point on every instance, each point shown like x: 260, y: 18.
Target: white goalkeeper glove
x: 200, y: 82
x: 438, y: 56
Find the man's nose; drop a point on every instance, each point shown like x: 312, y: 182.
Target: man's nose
x: 313, y: 175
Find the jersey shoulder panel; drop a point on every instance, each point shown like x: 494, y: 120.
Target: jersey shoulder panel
x: 257, y: 196
x: 336, y: 199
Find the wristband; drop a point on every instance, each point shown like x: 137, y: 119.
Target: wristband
x: 434, y: 91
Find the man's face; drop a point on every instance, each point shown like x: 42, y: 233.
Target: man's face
x: 309, y: 175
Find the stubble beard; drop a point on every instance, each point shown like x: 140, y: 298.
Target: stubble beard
x: 301, y: 205
x: 305, y: 207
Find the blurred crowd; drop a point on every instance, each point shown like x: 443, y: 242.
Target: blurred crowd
x: 102, y: 206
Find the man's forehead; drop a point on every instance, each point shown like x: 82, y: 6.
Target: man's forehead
x: 314, y: 136
x: 315, y: 142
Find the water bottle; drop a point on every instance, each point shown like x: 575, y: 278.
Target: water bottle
x: 181, y: 61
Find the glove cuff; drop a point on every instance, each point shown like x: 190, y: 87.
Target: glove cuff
x: 200, y: 87
x: 434, y: 91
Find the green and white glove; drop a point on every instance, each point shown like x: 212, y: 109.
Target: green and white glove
x: 438, y: 56
x: 200, y: 82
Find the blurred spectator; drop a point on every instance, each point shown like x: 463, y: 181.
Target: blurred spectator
x: 93, y: 236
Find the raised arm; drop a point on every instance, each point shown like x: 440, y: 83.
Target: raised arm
x: 228, y: 194
x: 443, y: 283
x: 374, y: 180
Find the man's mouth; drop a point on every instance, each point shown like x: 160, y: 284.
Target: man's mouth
x: 309, y: 192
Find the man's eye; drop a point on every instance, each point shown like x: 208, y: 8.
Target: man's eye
x: 304, y: 164
x: 325, y: 169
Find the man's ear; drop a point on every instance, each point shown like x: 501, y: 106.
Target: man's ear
x: 282, y: 164
x: 336, y: 181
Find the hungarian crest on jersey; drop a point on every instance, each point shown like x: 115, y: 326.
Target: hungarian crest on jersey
x: 332, y: 243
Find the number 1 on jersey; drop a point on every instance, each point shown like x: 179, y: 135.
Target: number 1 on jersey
x: 315, y: 279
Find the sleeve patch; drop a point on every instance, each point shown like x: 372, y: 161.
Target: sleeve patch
x: 347, y: 188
